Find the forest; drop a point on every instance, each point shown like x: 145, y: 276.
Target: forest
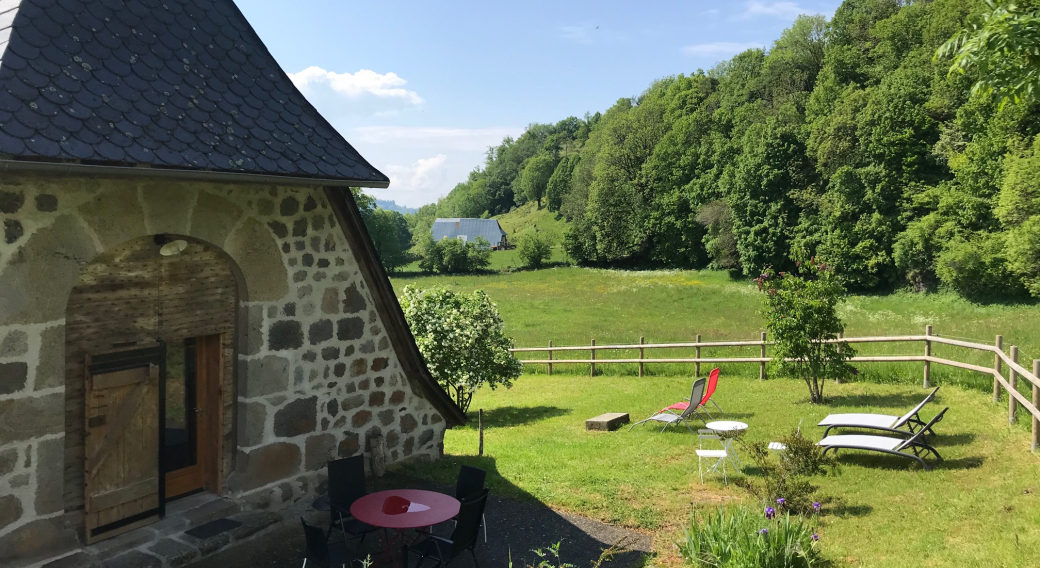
x: 849, y: 139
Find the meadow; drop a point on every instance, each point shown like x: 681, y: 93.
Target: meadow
x: 980, y: 508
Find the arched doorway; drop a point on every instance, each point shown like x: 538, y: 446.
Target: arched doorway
x: 150, y: 328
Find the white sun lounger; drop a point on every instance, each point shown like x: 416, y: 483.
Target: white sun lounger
x: 895, y: 424
x: 913, y: 447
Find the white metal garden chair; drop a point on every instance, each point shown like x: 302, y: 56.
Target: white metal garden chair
x: 718, y: 455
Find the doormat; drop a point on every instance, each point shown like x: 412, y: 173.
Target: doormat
x: 213, y: 528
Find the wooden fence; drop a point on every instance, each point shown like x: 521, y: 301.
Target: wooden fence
x: 1001, y: 361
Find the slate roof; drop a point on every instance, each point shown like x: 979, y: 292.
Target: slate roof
x: 468, y: 229
x: 181, y: 84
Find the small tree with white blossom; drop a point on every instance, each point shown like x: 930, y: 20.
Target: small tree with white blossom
x: 461, y: 338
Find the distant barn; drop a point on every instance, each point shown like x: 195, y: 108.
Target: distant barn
x: 469, y: 229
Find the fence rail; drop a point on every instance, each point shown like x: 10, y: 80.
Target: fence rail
x: 1001, y: 360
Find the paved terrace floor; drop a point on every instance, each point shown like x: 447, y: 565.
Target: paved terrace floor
x: 515, y: 529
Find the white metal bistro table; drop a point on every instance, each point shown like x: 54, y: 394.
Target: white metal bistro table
x: 729, y: 430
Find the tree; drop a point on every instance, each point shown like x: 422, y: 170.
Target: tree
x: 560, y: 182
x: 454, y: 256
x: 388, y: 229
x: 1001, y: 52
x: 462, y: 340
x: 802, y: 318
x: 535, y: 177
x: 534, y: 248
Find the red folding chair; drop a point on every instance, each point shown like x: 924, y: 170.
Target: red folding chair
x: 713, y: 381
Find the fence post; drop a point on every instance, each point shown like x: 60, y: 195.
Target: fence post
x: 592, y: 365
x: 1013, y: 382
x: 927, y: 353
x: 841, y: 335
x: 996, y: 367
x: 762, y: 365
x: 550, y: 357
x: 641, y: 341
x: 480, y: 428
x: 697, y: 365
x: 1036, y: 403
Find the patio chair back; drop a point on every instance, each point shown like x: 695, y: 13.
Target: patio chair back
x: 906, y: 417
x: 467, y: 527
x: 713, y: 381
x: 470, y: 482
x: 696, y: 394
x: 317, y: 545
x: 346, y: 482
x: 919, y: 436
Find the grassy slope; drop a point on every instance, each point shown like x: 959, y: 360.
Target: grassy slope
x: 979, y: 509
x: 986, y: 503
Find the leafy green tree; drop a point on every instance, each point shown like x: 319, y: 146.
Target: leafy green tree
x: 1022, y: 250
x: 454, y: 256
x: 977, y: 268
x: 801, y: 314
x: 534, y: 248
x: 560, y: 182
x: 1019, y: 197
x: 462, y: 340
x: 720, y: 242
x: 535, y: 178
x: 1001, y: 51
x: 389, y: 231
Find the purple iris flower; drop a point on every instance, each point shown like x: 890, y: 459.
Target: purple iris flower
x: 770, y: 512
x: 816, y: 506
x: 763, y: 532
x: 815, y: 537
x: 781, y: 501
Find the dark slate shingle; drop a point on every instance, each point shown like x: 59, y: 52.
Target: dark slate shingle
x: 183, y: 84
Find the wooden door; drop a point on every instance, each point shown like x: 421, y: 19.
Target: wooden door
x: 122, y: 467
x: 193, y: 407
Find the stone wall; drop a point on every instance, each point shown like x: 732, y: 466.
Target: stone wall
x: 317, y: 377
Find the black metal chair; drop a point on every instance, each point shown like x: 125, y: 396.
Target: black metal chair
x: 320, y: 554
x: 346, y: 485
x: 469, y: 483
x: 463, y: 538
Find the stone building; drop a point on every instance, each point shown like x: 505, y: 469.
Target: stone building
x: 189, y: 300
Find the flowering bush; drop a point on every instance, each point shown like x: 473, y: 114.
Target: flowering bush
x: 460, y: 337
x: 743, y: 538
x: 802, y: 317
x: 783, y: 481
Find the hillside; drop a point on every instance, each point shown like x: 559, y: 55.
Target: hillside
x: 529, y: 217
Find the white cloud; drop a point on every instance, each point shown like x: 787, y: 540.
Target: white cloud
x: 424, y: 163
x: 366, y: 92
x: 421, y: 176
x: 718, y: 48
x: 783, y: 10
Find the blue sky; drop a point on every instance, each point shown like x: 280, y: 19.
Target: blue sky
x: 421, y: 89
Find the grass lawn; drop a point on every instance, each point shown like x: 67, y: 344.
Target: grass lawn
x: 980, y: 508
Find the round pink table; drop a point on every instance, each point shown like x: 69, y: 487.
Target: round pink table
x: 400, y: 509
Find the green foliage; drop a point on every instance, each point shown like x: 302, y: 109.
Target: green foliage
x: 783, y: 480
x: 461, y: 339
x: 1022, y: 251
x: 560, y: 182
x: 742, y: 537
x: 1002, y: 52
x: 847, y: 140
x: 802, y: 319
x: 534, y: 248
x: 389, y: 231
x: 976, y: 268
x: 454, y: 256
x: 535, y: 178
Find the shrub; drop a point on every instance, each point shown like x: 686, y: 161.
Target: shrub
x: 976, y: 268
x: 745, y: 538
x: 455, y: 256
x: 461, y: 339
x: 534, y: 248
x: 802, y: 317
x: 786, y: 478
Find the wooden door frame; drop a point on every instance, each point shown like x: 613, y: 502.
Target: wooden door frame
x: 206, y: 474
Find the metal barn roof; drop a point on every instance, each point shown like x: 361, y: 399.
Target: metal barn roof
x: 176, y: 84
x: 468, y: 229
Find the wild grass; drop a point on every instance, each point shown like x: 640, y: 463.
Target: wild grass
x: 979, y: 508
